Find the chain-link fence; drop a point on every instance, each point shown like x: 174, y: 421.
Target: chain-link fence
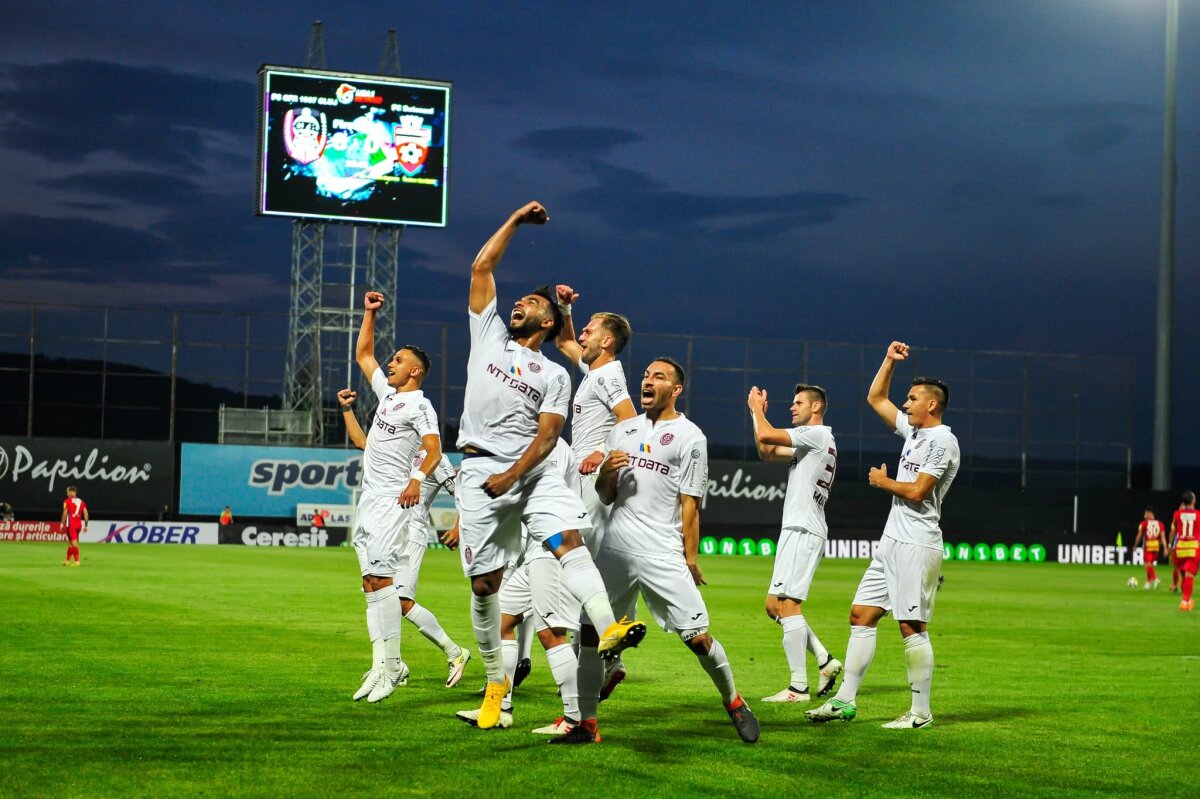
x: 1023, y: 419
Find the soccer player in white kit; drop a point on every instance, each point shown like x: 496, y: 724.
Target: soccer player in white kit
x: 404, y: 423
x: 417, y: 535
x: 903, y: 575
x: 515, y: 405
x: 654, y: 477
x: 812, y: 452
x: 533, y: 589
x: 601, y: 401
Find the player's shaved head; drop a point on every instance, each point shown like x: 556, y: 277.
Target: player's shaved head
x: 936, y: 389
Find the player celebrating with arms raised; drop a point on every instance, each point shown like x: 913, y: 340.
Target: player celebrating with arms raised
x: 74, y: 520
x: 404, y: 424
x: 1184, y: 545
x: 810, y: 448
x: 903, y: 575
x: 1151, y: 529
x: 514, y: 408
x: 654, y: 477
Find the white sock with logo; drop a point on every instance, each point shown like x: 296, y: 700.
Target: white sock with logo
x: 387, y: 616
x: 918, y: 656
x: 565, y: 668
x: 508, y: 653
x: 374, y: 631
x: 718, y: 668
x: 584, y: 582
x: 591, y: 680
x: 427, y: 623
x: 485, y: 618
x: 860, y: 651
x: 795, y: 637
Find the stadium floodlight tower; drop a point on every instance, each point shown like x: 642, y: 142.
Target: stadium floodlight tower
x: 332, y: 265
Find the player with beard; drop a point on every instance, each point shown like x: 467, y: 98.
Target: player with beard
x: 653, y: 479
x: 902, y: 577
x: 404, y: 424
x: 810, y: 448
x: 417, y: 534
x: 516, y: 402
x: 601, y: 401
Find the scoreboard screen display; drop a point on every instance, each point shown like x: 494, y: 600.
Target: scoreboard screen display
x: 352, y: 148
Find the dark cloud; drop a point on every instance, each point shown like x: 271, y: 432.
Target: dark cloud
x: 70, y: 110
x: 571, y: 142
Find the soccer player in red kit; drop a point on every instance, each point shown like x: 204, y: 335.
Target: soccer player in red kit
x: 74, y: 519
x: 1183, y: 530
x: 1151, y: 529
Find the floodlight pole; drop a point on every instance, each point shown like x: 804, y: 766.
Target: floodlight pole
x: 1166, y: 265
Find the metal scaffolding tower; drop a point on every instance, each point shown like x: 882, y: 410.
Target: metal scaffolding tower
x: 332, y: 266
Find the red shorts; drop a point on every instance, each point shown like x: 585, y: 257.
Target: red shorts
x: 73, y: 529
x: 1188, y: 565
x: 1149, y: 557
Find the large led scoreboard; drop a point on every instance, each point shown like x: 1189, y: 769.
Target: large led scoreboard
x: 348, y: 147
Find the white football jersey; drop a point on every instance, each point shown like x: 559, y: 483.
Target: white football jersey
x: 599, y: 392
x: 934, y: 451
x: 402, y: 419
x: 666, y: 459
x: 508, y: 387
x: 810, y: 479
x: 559, y: 460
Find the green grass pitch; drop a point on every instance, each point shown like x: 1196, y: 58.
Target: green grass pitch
x: 227, y: 671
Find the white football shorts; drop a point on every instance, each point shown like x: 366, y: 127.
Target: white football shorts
x: 902, y: 578
x: 796, y: 559
x: 379, y: 534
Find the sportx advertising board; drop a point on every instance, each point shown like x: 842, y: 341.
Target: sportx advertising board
x: 352, y: 147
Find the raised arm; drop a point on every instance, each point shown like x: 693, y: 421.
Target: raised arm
x: 566, y: 342
x: 772, y: 443
x: 690, y: 509
x: 364, y: 352
x: 354, y: 430
x: 483, y: 283
x: 550, y: 426
x: 877, y: 396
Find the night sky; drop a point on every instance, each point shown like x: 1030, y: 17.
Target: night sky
x: 976, y: 175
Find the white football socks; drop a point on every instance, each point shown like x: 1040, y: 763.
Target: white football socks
x: 585, y: 584
x: 427, y: 623
x: 525, y: 634
x: 591, y: 680
x: 718, y: 668
x: 860, y: 651
x: 485, y: 618
x: 795, y: 640
x: 384, y: 628
x: 817, y: 648
x: 565, y: 668
x: 918, y: 656
x: 508, y: 652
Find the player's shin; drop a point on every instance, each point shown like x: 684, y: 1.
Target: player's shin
x: 860, y: 651
x: 583, y: 580
x: 485, y: 617
x: 817, y: 648
x: 508, y: 650
x: 716, y: 663
x: 591, y: 680
x: 795, y: 639
x: 565, y: 668
x: 387, y: 616
x: 918, y: 656
x: 525, y: 635
x: 429, y: 627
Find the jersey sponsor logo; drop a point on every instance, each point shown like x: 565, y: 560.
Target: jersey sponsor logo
x: 384, y: 426
x: 278, y: 476
x: 578, y: 408
x: 518, y: 385
x: 535, y: 367
x: 648, y: 463
x: 667, y: 438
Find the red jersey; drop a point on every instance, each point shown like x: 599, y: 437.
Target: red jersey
x: 1184, y: 526
x: 1152, y: 532
x: 74, y: 506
